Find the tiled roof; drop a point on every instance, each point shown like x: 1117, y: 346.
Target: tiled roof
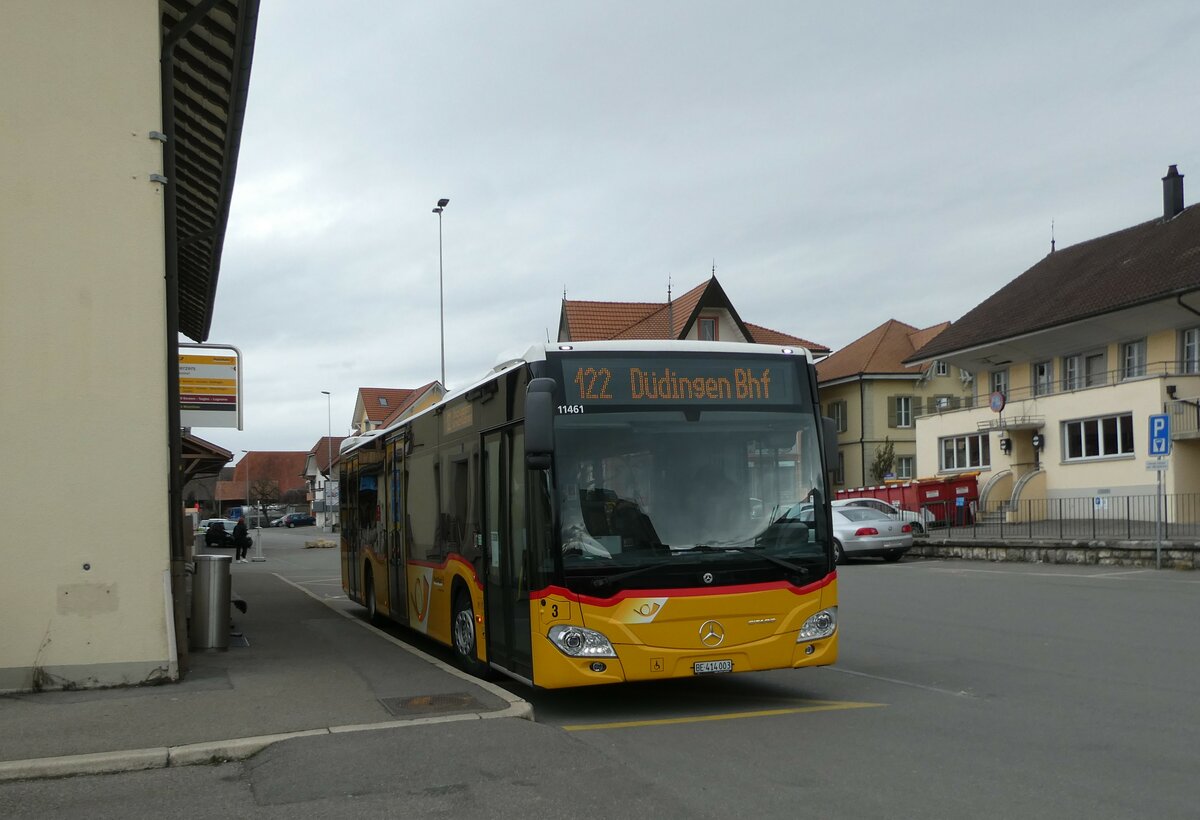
x: 412, y: 397
x: 284, y: 468
x: 377, y: 411
x: 321, y: 451
x: 879, y: 352
x: 1146, y: 263
x: 592, y: 321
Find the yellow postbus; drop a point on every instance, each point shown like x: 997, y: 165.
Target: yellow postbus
x: 605, y: 511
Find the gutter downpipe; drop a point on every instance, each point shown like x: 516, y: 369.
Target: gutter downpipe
x: 171, y: 274
x: 862, y: 426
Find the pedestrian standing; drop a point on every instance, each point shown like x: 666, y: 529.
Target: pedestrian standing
x: 241, y: 540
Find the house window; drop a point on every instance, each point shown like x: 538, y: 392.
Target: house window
x: 1043, y: 378
x: 902, y: 412
x: 999, y: 380
x: 904, y: 466
x: 1189, y: 350
x: 966, y: 452
x: 940, y: 368
x: 1133, y: 359
x: 383, y: 401
x: 1084, y: 370
x: 1102, y: 437
x: 708, y: 329
x: 1071, y: 367
x: 837, y: 411
x: 1095, y: 369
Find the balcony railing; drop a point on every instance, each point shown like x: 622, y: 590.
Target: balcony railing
x: 1060, y: 386
x: 1124, y: 517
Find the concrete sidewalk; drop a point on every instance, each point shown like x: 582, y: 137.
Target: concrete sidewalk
x: 309, y: 668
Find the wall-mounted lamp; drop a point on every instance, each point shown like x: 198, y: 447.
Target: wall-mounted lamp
x: 1006, y: 445
x: 1170, y: 391
x: 1038, y: 441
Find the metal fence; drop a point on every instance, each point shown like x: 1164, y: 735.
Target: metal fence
x: 1126, y: 517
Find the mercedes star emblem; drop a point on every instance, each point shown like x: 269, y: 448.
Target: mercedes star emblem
x: 712, y: 634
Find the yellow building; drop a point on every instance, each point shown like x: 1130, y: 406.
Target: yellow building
x: 1071, y: 359
x: 117, y: 157
x: 875, y: 398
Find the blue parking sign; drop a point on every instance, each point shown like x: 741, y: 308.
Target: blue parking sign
x: 1160, y: 435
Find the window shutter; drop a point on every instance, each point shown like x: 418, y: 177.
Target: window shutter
x: 892, y: 411
x: 916, y: 408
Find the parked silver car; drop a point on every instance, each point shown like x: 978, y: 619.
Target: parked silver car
x: 859, y: 531
x: 920, y: 520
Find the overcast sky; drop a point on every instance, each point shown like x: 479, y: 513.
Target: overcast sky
x: 841, y: 164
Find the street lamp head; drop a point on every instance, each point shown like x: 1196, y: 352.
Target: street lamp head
x: 442, y: 203
x: 325, y: 392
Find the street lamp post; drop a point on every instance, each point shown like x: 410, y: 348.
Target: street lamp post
x: 245, y: 506
x: 329, y: 452
x: 441, y: 206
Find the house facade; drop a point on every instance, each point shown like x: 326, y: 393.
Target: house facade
x: 322, y: 490
x: 377, y: 407
x: 703, y: 313
x: 1071, y: 359
x: 875, y: 399
x: 122, y: 126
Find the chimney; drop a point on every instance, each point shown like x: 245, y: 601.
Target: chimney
x: 1172, y: 193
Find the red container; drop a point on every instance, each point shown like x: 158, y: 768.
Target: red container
x: 938, y: 495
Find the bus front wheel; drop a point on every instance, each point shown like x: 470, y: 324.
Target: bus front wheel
x: 462, y: 622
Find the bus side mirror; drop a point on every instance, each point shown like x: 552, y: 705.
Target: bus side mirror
x: 831, y: 443
x: 539, y: 424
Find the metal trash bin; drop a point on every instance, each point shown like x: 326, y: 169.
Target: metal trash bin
x: 210, y: 602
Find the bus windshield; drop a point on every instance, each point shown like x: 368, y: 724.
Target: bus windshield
x: 670, y: 498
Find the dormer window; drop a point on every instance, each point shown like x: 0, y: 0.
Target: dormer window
x: 940, y: 368
x: 707, y: 329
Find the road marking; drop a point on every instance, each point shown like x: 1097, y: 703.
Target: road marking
x: 817, y: 706
x: 960, y: 693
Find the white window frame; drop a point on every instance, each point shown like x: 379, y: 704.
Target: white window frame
x: 1189, y: 350
x: 1042, y: 377
x: 905, y: 466
x: 998, y: 379
x: 838, y: 411
x: 969, y: 452
x: 1133, y: 359
x: 941, y: 368
x: 1093, y: 377
x: 904, y: 415
x: 1089, y: 439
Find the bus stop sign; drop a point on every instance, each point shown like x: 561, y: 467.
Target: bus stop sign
x: 1160, y: 435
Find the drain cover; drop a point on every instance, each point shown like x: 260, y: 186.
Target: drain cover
x: 432, y: 704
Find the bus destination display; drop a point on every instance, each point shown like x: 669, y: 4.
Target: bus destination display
x: 596, y: 382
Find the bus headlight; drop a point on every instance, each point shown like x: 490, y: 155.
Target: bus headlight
x: 580, y: 643
x: 820, y: 625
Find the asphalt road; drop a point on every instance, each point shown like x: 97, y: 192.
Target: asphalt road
x: 963, y: 690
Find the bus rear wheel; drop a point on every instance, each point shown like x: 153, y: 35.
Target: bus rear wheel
x: 372, y: 604
x: 465, y: 636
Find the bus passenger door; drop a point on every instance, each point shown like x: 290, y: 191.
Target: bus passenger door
x: 506, y: 545
x: 394, y: 524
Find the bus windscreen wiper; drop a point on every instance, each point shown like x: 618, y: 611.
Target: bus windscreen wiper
x: 752, y: 551
x: 620, y: 576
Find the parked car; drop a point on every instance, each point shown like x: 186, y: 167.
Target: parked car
x: 221, y: 535
x: 858, y: 532
x: 920, y: 520
x: 296, y: 520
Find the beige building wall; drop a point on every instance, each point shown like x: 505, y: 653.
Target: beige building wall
x: 83, y: 345
x: 1120, y: 475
